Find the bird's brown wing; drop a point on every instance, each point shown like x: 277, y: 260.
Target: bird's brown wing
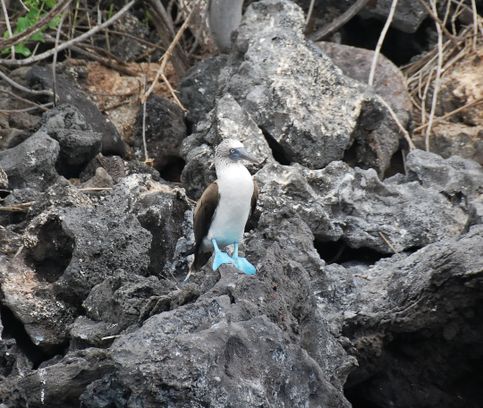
x: 204, y: 211
x: 254, y: 197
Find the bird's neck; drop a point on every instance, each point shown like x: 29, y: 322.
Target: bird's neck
x: 231, y: 170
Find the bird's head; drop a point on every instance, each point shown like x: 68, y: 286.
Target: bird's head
x: 231, y: 151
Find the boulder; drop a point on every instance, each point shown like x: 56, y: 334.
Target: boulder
x: 404, y: 310
x: 389, y: 83
x: 355, y: 207
x: 32, y: 162
x: 69, y: 93
x: 78, y: 143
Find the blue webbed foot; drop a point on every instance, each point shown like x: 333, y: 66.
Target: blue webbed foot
x: 241, y: 263
x: 246, y: 267
x: 220, y: 257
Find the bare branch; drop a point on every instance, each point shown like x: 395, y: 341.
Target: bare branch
x: 437, y: 81
x: 339, y: 21
x: 16, y: 85
x: 380, y: 41
x: 69, y: 43
x: 54, y: 62
x: 59, y: 8
x: 398, y: 123
x: 7, y: 23
x: 167, y: 55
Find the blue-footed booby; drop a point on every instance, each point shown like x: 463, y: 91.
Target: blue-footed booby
x: 224, y: 207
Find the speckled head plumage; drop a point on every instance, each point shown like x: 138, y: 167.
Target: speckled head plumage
x: 231, y: 151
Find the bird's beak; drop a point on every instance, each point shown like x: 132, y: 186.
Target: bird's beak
x: 245, y: 155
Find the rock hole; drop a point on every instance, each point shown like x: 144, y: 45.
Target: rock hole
x: 396, y: 165
x: 14, y: 328
x: 339, y: 252
x: 427, y: 368
x: 53, y: 252
x: 277, y: 150
x: 170, y: 168
x: 350, y: 155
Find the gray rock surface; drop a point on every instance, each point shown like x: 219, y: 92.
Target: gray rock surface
x: 3, y: 180
x: 455, y: 139
x: 199, y: 86
x: 353, y: 205
x: 389, y: 82
x: 32, y: 162
x: 78, y: 143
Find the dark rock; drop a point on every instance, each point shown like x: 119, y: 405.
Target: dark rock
x: 165, y: 212
x: 199, y: 86
x: 426, y: 307
x: 124, y: 47
x: 31, y: 163
x: 33, y: 302
x: 24, y: 120
x: 139, y: 167
x: 12, y: 137
x: 165, y: 130
x: 78, y: 143
x: 408, y: 16
x: 77, y: 148
x: 69, y: 93
x: 3, y: 180
x: 58, y: 385
x: 113, y: 165
x: 101, y: 179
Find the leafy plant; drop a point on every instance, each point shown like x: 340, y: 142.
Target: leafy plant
x: 36, y: 10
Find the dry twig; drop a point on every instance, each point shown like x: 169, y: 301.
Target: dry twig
x: 449, y: 114
x: 380, y: 41
x: 59, y: 8
x: 67, y: 44
x: 7, y: 23
x: 398, y: 123
x: 339, y: 21
x: 437, y: 81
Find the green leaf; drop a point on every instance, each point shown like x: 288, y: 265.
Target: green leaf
x: 22, y: 50
x: 22, y: 24
x: 54, y: 23
x: 38, y: 36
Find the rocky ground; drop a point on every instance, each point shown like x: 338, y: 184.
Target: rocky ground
x: 369, y: 290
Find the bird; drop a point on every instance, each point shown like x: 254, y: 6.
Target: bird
x: 223, y: 209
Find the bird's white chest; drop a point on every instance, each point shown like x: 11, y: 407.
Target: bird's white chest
x: 235, y: 188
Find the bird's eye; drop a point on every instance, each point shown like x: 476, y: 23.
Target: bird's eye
x: 232, y: 151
